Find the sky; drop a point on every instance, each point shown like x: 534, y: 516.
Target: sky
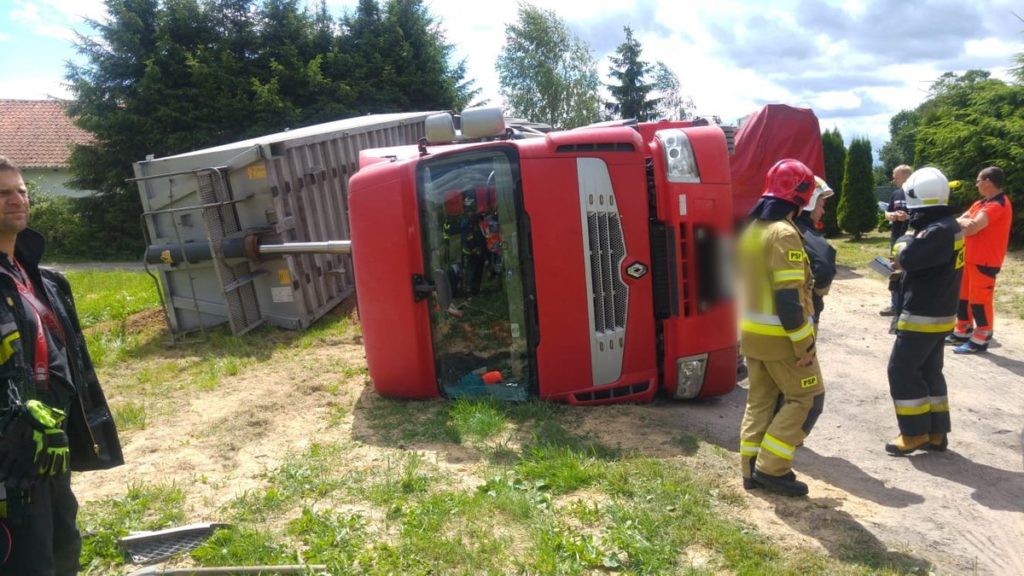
x: 856, y: 63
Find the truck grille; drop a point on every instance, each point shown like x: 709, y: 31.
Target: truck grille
x: 608, y: 294
x: 606, y: 253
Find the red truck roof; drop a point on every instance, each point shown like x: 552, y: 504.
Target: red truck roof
x: 775, y: 132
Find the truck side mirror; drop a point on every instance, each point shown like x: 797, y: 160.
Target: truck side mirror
x: 482, y: 122
x: 440, y: 128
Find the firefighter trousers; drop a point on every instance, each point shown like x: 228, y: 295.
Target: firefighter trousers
x: 772, y: 436
x: 916, y: 383
x: 975, y: 308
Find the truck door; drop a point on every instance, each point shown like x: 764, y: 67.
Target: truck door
x: 469, y: 213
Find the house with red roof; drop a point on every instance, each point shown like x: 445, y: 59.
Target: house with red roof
x: 38, y: 136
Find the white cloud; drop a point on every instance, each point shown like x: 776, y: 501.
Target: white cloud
x: 25, y: 13
x: 68, y: 11
x: 55, y: 18
x: 40, y: 86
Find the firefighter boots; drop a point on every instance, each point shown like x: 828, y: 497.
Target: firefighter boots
x: 751, y: 484
x: 904, y: 445
x: 787, y: 485
x: 938, y: 442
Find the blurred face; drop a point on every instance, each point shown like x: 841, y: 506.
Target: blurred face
x: 985, y: 187
x: 819, y: 211
x: 13, y: 203
x: 898, y: 178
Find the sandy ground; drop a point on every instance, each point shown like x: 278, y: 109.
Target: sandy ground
x: 959, y: 511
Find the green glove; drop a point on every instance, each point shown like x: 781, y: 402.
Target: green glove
x: 51, y: 443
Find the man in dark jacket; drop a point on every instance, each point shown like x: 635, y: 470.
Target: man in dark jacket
x: 897, y: 216
x: 932, y: 261
x: 53, y: 415
x: 821, y: 254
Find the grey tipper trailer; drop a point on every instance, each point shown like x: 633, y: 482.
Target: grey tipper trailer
x: 212, y: 218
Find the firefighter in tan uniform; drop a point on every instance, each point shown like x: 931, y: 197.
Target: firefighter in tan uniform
x: 777, y: 333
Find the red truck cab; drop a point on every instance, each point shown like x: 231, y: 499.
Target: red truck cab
x: 585, y: 266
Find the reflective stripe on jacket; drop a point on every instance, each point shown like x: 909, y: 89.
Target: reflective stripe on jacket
x: 933, y: 261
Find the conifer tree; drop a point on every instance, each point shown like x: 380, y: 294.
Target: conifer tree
x: 835, y: 163
x: 631, y: 91
x: 858, y: 209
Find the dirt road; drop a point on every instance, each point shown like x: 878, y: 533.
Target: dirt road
x: 961, y: 511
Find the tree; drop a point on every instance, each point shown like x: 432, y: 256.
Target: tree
x: 397, y: 59
x: 672, y: 103
x: 858, y: 207
x: 835, y: 163
x: 902, y: 137
x: 547, y: 74
x: 973, y: 121
x: 630, y: 91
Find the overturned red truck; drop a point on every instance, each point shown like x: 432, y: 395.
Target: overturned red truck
x: 590, y: 291
x: 586, y: 266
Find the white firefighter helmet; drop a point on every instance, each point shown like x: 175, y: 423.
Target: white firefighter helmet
x: 821, y: 191
x: 925, y: 188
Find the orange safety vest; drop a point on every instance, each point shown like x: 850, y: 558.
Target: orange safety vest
x: 988, y: 247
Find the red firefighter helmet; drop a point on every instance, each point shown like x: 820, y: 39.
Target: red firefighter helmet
x: 790, y: 180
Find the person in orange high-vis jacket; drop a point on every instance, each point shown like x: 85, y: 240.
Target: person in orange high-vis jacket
x: 986, y: 227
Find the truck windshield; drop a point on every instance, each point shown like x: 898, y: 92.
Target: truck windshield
x: 471, y: 241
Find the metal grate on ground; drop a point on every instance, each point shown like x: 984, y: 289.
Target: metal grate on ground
x: 150, y: 547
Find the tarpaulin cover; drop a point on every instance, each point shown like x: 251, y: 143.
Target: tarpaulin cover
x: 775, y: 132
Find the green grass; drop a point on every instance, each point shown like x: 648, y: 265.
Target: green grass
x: 143, y: 507
x: 855, y: 254
x: 129, y: 415
x: 477, y: 421
x: 244, y: 546
x: 102, y: 296
x: 308, y: 476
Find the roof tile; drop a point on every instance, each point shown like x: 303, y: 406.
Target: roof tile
x: 38, y: 133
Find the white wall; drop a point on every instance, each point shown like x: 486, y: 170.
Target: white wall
x: 52, y: 181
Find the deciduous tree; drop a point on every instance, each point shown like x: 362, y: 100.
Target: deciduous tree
x: 673, y: 104
x: 902, y: 137
x: 547, y: 74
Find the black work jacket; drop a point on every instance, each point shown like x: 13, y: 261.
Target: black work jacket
x: 92, y: 435
x: 823, y: 262
x: 932, y: 261
x: 897, y: 202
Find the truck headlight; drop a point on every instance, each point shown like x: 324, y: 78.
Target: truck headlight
x: 690, y: 376
x: 680, y: 164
